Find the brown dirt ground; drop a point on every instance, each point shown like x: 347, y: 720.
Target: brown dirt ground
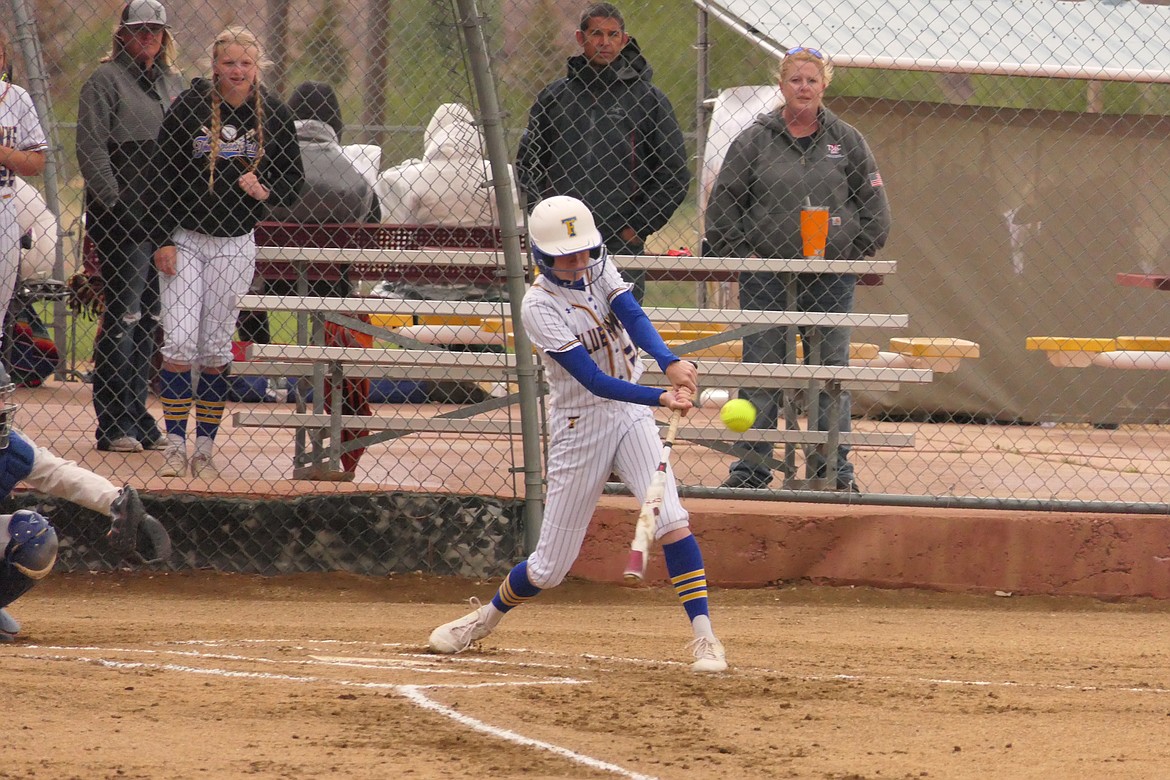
x: 195, y: 674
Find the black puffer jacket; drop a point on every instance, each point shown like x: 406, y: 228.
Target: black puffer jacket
x: 610, y: 138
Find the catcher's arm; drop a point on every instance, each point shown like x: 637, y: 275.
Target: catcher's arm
x: 127, y: 517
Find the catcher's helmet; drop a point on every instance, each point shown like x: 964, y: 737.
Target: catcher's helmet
x: 561, y: 225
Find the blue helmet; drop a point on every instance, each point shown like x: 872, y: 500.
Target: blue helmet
x: 561, y: 225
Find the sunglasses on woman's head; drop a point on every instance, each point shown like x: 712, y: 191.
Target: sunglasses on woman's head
x: 799, y: 49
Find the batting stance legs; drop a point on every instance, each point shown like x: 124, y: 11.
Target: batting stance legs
x: 583, y: 451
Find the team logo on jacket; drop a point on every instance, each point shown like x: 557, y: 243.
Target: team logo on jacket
x: 232, y: 143
x: 835, y: 152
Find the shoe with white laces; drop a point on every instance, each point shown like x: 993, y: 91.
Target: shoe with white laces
x: 458, y: 635
x: 709, y: 655
x: 9, y: 627
x: 203, y: 467
x: 174, y: 462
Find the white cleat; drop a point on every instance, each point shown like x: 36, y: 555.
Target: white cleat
x: 174, y: 462
x: 709, y: 655
x: 203, y: 467
x: 458, y: 635
x: 9, y: 626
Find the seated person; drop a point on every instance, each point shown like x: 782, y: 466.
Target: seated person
x: 334, y: 190
x: 451, y: 184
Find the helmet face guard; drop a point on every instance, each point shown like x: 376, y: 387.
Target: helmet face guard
x: 563, y: 226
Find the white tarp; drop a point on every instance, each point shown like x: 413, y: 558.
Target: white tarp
x: 1122, y: 41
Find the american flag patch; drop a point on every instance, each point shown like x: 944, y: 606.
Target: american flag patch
x: 875, y: 179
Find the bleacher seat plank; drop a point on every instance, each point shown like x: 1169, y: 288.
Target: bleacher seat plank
x: 415, y: 307
x: 440, y: 425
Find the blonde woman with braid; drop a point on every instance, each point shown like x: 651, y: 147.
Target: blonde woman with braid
x: 227, y: 153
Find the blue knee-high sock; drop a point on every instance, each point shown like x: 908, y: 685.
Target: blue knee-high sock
x: 516, y: 589
x: 684, y: 564
x: 209, y: 404
x: 175, y: 395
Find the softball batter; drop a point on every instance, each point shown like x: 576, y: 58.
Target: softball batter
x: 228, y: 151
x: 22, y: 153
x: 582, y: 316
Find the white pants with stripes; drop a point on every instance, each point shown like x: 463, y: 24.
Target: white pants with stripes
x: 200, y: 302
x: 584, y: 447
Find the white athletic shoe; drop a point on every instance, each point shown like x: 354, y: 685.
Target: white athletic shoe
x: 9, y: 626
x: 174, y: 462
x: 458, y: 635
x: 709, y: 655
x: 203, y: 467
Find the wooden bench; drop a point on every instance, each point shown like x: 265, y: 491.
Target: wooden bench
x: 1143, y: 353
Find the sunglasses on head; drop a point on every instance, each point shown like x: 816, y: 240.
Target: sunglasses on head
x: 807, y: 49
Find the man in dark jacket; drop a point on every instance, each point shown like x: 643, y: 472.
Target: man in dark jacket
x: 120, y: 111
x: 607, y: 136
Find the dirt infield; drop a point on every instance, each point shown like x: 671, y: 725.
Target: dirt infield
x: 193, y: 674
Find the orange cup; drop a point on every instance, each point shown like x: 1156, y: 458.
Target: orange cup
x: 814, y: 230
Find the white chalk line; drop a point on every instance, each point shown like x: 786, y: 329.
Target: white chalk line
x: 412, y: 693
x: 625, y: 660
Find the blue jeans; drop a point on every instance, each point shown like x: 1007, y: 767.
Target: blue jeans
x: 124, y: 349
x: 814, y: 292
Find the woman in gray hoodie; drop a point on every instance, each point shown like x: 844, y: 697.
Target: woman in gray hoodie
x: 118, y: 117
x: 799, y: 153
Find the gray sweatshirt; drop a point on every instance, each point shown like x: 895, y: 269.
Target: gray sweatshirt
x: 755, y: 205
x: 118, y: 117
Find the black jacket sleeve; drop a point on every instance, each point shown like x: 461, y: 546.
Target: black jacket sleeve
x: 664, y: 156
x: 281, y: 169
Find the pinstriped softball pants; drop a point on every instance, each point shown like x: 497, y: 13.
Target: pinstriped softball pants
x: 585, y: 446
x: 200, y: 302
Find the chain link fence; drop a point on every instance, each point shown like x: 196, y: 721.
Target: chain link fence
x: 1006, y: 345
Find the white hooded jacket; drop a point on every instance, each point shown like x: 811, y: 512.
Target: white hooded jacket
x: 451, y: 184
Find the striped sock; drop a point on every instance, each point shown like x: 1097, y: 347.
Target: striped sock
x: 516, y: 589
x: 209, y: 404
x: 175, y: 395
x: 684, y: 564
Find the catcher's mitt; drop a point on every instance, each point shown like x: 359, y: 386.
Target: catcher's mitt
x: 86, y: 295
x: 127, y: 517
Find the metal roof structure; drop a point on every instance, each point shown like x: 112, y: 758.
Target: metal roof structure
x: 1103, y: 41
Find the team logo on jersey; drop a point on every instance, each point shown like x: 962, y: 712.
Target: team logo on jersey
x: 232, y: 143
x: 570, y: 226
x: 573, y: 422
x: 835, y: 152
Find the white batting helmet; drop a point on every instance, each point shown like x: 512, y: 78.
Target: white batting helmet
x: 561, y: 225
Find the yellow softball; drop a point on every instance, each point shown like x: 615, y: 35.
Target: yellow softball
x: 738, y: 414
